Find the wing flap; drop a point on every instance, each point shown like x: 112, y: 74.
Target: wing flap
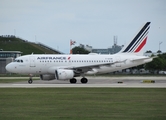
x: 144, y: 58
x: 83, y: 68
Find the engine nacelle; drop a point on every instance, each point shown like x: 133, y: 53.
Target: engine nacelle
x: 47, y: 77
x: 63, y: 74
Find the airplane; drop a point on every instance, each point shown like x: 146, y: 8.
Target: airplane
x: 69, y: 66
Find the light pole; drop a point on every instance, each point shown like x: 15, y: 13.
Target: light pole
x: 159, y: 45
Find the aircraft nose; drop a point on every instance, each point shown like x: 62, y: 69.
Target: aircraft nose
x: 9, y: 67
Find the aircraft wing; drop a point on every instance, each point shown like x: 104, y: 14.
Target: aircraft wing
x: 83, y: 68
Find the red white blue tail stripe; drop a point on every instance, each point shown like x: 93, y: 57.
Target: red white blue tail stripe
x: 139, y: 40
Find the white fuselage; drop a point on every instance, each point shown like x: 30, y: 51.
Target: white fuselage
x: 47, y: 64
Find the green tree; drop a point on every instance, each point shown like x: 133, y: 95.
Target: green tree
x: 158, y: 63
x: 148, y: 51
x: 159, y: 51
x: 79, y: 50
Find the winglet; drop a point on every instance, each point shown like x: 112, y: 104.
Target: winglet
x: 137, y: 44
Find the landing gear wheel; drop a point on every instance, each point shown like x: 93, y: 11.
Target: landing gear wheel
x: 73, y: 80
x: 84, y: 80
x: 30, y: 81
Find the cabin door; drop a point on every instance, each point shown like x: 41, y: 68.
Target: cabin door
x: 118, y: 64
x: 32, y: 61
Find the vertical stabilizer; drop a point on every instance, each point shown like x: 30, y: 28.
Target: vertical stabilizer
x: 137, y: 44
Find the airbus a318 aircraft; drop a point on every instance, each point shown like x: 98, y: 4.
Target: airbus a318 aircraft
x: 68, y: 66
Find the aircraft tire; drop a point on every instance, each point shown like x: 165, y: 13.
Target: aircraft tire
x: 30, y: 81
x: 73, y: 80
x: 84, y: 80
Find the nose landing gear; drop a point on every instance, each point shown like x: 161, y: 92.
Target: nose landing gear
x: 30, y: 81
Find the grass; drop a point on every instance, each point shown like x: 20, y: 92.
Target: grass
x: 82, y: 104
x: 13, y: 79
x: 17, y: 44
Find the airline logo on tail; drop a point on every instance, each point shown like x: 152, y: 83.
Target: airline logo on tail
x: 139, y: 40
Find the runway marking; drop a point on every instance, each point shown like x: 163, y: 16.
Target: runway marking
x: 100, y: 82
x: 82, y: 85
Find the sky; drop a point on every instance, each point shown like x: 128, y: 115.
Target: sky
x: 89, y: 22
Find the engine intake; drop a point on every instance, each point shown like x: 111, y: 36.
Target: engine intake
x: 63, y: 74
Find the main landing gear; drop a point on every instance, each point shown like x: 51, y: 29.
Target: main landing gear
x: 83, y: 80
x: 73, y: 80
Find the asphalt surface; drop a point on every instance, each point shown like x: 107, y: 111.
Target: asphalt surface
x: 119, y: 82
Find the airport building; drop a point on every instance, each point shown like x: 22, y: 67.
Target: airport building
x: 7, y: 57
x: 115, y: 49
x: 112, y: 50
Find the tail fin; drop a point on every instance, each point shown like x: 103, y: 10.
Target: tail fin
x: 136, y: 45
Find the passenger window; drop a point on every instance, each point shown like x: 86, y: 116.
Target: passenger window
x: 22, y: 61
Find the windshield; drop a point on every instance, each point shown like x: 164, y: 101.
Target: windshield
x: 18, y: 60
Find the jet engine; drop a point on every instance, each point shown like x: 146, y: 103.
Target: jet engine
x: 63, y: 74
x: 47, y: 77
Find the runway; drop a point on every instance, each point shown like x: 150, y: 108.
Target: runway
x: 97, y: 82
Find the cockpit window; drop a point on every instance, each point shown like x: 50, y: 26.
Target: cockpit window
x: 17, y: 60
